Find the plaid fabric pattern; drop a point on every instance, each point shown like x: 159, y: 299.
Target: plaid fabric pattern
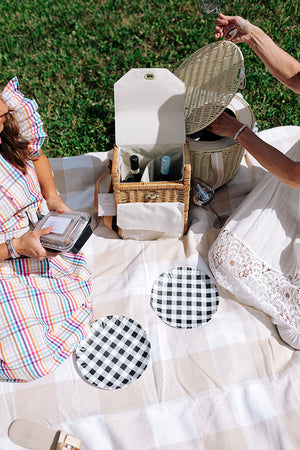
x: 115, y: 353
x: 44, y: 307
x: 184, y: 297
x: 25, y: 111
x: 231, y: 384
x: 21, y: 200
x: 44, y: 313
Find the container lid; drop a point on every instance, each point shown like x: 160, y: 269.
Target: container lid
x: 242, y: 112
x: 212, y: 76
x: 149, y: 108
x: 67, y: 229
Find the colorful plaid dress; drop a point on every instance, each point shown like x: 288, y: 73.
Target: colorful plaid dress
x: 44, y: 305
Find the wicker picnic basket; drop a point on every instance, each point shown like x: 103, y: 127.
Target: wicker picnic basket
x: 216, y: 162
x: 215, y: 167
x: 153, y: 192
x: 212, y: 76
x: 149, y: 122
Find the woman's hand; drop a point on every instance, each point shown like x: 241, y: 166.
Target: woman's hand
x: 55, y: 203
x: 29, y: 244
x: 244, y: 28
x: 225, y: 125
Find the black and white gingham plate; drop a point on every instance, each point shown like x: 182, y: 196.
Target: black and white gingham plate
x: 184, y: 297
x: 115, y: 353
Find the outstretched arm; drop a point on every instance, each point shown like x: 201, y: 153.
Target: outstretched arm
x: 281, y: 65
x: 268, y: 156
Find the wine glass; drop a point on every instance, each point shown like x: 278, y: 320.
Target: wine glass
x: 203, y: 195
x: 211, y: 6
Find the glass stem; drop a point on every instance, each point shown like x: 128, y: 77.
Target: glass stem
x: 219, y: 217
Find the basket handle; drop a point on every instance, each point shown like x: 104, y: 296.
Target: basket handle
x: 108, y: 220
x: 217, y: 164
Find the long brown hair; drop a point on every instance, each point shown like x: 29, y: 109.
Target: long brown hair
x: 13, y: 147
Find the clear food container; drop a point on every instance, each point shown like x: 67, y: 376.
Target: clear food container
x: 70, y: 230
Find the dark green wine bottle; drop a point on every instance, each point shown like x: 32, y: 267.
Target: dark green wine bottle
x: 134, y: 175
x: 165, y: 165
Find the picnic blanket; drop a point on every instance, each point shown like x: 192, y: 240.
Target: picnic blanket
x: 228, y: 384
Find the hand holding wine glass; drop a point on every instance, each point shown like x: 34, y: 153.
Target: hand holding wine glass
x: 229, y: 31
x: 243, y: 28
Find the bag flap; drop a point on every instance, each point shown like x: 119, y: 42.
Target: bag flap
x: 149, y: 108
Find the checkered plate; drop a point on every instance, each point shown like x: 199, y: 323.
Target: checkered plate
x: 184, y: 297
x: 115, y: 353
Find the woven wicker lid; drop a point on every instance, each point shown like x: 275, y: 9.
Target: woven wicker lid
x: 212, y: 76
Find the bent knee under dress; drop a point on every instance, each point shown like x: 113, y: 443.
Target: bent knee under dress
x: 257, y: 254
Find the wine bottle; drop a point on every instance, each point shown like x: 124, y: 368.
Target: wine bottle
x: 134, y: 175
x: 165, y: 168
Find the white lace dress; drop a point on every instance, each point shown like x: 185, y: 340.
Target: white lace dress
x: 257, y: 254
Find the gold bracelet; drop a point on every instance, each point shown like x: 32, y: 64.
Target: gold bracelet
x: 239, y: 132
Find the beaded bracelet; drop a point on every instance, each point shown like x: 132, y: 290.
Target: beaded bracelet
x: 11, y: 249
x: 239, y: 132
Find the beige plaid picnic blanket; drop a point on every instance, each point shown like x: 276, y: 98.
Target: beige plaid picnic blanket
x: 230, y: 384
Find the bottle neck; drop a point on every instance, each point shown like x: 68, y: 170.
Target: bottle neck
x: 165, y: 165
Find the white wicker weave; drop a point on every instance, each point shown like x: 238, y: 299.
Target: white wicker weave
x: 212, y: 76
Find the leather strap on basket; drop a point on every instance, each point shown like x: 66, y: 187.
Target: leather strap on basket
x: 108, y: 220
x: 217, y: 164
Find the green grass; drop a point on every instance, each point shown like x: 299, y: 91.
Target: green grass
x: 68, y: 55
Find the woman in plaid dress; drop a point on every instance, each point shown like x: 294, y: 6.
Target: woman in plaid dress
x: 44, y: 296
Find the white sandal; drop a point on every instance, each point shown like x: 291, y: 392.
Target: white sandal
x: 32, y: 436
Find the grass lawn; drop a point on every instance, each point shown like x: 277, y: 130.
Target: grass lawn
x: 68, y: 55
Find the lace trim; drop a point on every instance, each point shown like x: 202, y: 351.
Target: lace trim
x: 238, y: 270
